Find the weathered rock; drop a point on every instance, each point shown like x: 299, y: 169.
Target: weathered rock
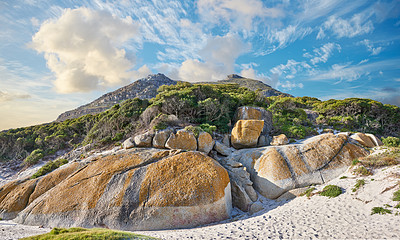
x: 128, y: 143
x: 363, y: 140
x: 222, y: 149
x: 327, y: 130
x: 255, y: 113
x: 245, y: 133
x: 139, y: 189
x: 205, y: 142
x: 262, y: 141
x: 144, y: 140
x: 14, y: 197
x: 226, y: 140
x: 251, y: 192
x: 240, y: 199
x: 183, y: 139
x: 255, y: 207
x: 161, y: 137
x: 276, y: 170
x: 279, y: 140
x: 376, y: 141
x: 291, y: 194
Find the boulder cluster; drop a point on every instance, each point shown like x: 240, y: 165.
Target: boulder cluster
x: 176, y: 178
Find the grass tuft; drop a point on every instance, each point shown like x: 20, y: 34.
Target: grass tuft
x: 380, y: 210
x: 396, y: 195
x: 343, y: 177
x: 331, y: 191
x: 359, y: 183
x: 362, y: 171
x: 308, y: 192
x: 86, y: 234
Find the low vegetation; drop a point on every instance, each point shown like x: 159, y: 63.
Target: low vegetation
x: 391, y: 141
x: 49, y: 167
x: 331, y: 191
x: 359, y: 183
x: 308, y: 193
x: 380, y: 210
x: 86, y: 234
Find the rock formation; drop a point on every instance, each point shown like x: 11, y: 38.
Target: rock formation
x: 245, y: 133
x: 135, y: 189
x: 183, y: 139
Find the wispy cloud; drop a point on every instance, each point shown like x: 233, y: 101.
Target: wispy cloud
x: 370, y: 47
x: 6, y: 96
x: 290, y: 69
x: 357, y: 25
x: 323, y: 53
x: 348, y: 72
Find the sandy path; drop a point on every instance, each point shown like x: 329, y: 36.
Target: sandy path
x: 10, y: 230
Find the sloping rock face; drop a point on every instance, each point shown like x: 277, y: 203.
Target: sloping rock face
x: 275, y: 170
x: 138, y: 189
x: 245, y: 133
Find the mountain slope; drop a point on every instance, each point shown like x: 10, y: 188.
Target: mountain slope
x: 253, y: 85
x: 144, y: 88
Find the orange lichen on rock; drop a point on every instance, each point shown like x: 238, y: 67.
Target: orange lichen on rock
x: 186, y: 179
x: 84, y: 188
x: 273, y: 166
x: 183, y: 139
x: 294, y: 157
x: 249, y: 113
x: 363, y: 140
x: 52, y: 179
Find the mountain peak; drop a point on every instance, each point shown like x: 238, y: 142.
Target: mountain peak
x: 230, y: 76
x: 155, y: 77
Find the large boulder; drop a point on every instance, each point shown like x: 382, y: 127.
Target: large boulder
x: 183, y: 139
x: 255, y: 113
x: 245, y: 133
x: 205, y: 142
x: 161, y: 137
x: 138, y: 189
x: 277, y: 169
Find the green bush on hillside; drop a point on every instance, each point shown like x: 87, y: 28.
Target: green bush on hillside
x: 49, y: 167
x: 34, y: 157
x: 391, y: 141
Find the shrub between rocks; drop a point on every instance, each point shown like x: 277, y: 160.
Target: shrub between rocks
x: 49, y: 167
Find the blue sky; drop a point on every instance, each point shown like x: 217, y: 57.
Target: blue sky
x: 58, y: 55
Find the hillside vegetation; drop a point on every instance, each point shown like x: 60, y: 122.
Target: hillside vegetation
x: 212, y: 104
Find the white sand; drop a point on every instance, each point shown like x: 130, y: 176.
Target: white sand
x: 347, y: 216
x: 10, y: 230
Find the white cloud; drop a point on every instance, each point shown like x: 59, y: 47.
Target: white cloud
x: 323, y: 53
x: 370, y: 47
x: 290, y: 69
x: 253, y: 74
x: 239, y: 14
x: 6, y: 96
x: 355, y: 26
x: 81, y: 48
x: 291, y: 85
x: 321, y: 34
x: 218, y: 58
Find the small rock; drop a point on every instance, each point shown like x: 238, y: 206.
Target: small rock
x: 363, y: 140
x: 205, y: 142
x: 251, y: 192
x: 183, y: 139
x: 255, y: 207
x: 279, y: 140
x: 143, y: 140
x: 222, y: 149
x: 226, y: 140
x: 161, y: 137
x: 127, y: 144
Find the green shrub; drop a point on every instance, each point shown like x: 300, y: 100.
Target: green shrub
x: 308, y: 192
x: 343, y: 177
x: 49, y: 167
x: 396, y: 195
x: 34, y: 157
x: 359, y: 183
x: 331, y: 191
x: 118, y: 137
x: 362, y: 171
x: 391, y: 141
x: 160, y: 126
x: 194, y: 129
x: 208, y: 128
x: 380, y: 210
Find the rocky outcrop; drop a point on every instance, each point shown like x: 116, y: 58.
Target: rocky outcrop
x: 245, y: 133
x: 184, y: 140
x: 144, y: 88
x: 205, y: 142
x: 256, y: 113
x: 367, y: 140
x: 275, y: 170
x: 279, y: 140
x: 222, y: 149
x: 161, y: 137
x: 137, y: 189
x: 128, y: 143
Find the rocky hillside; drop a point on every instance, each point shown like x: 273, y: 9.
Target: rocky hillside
x: 253, y: 85
x: 144, y: 88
